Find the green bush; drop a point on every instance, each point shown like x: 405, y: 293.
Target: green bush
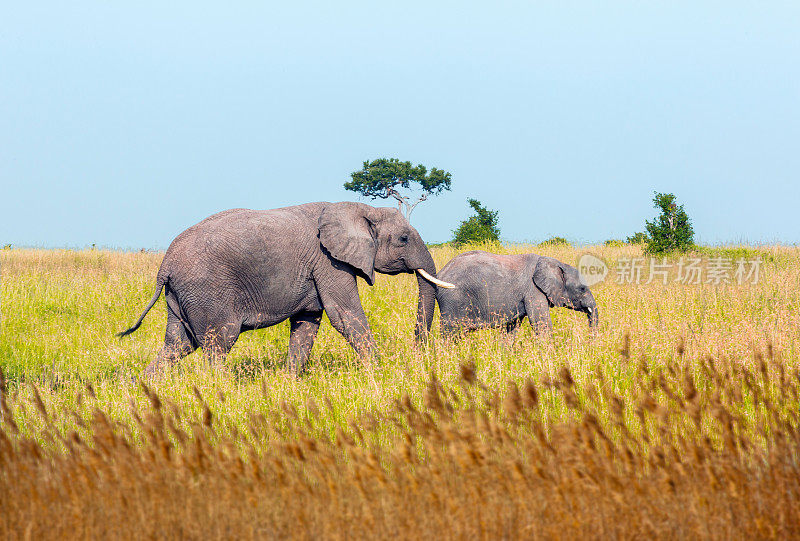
x: 671, y: 230
x: 614, y: 242
x: 734, y: 253
x: 555, y: 241
x: 638, y: 238
x: 479, y: 228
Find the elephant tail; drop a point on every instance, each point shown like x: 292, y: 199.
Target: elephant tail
x: 160, y: 283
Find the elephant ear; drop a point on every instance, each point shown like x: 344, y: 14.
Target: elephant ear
x: 347, y: 232
x: 549, y: 277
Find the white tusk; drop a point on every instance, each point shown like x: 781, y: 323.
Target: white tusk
x: 436, y: 281
x: 589, y: 308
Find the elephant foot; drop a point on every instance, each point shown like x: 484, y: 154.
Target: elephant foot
x: 155, y: 370
x: 219, y: 369
x: 372, y: 362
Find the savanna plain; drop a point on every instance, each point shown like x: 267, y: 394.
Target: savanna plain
x: 677, y: 417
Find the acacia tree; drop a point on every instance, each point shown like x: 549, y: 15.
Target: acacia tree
x: 384, y: 177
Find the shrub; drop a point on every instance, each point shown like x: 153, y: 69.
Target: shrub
x: 734, y: 253
x: 482, y: 227
x: 672, y: 229
x: 638, y: 238
x: 555, y: 241
x: 614, y: 242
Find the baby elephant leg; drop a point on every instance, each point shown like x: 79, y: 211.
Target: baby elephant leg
x: 449, y: 329
x: 511, y: 328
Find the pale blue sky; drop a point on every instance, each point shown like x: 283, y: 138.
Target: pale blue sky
x: 125, y: 123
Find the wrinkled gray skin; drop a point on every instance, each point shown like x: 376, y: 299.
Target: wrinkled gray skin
x: 499, y: 290
x: 246, y: 269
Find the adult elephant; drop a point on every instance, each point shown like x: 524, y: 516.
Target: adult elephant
x: 247, y: 269
x: 494, y: 290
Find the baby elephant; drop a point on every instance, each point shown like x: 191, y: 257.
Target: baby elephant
x: 499, y: 290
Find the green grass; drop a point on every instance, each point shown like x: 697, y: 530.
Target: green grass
x: 61, y: 309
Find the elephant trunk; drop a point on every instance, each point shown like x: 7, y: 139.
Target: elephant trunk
x: 427, y: 300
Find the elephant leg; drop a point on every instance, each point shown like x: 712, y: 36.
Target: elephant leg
x: 351, y: 322
x: 538, y: 311
x: 218, y: 341
x: 304, y: 327
x: 177, y: 344
x: 511, y: 328
x: 343, y: 306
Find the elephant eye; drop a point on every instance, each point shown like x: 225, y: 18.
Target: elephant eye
x: 403, y: 238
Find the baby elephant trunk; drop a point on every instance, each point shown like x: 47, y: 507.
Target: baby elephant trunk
x: 593, y: 315
x: 589, y: 306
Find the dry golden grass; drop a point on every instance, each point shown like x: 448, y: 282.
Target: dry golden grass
x: 675, y: 460
x: 677, y: 417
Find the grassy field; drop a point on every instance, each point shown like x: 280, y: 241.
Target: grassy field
x: 677, y: 417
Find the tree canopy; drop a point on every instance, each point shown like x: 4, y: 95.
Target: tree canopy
x: 384, y: 177
x: 481, y: 227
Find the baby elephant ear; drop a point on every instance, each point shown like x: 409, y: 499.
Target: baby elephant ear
x: 549, y: 277
x: 346, y: 232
